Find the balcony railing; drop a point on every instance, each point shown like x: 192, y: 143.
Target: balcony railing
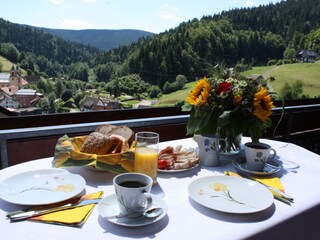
x: 26, y: 138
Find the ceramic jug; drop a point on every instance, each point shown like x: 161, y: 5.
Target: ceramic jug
x: 209, y: 149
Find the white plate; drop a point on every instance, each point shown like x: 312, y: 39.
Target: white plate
x: 177, y: 170
x: 41, y: 187
x: 230, y: 194
x: 270, y: 168
x: 108, y: 206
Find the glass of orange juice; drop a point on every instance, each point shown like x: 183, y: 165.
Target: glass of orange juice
x: 146, y: 154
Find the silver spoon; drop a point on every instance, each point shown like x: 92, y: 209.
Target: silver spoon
x: 150, y: 213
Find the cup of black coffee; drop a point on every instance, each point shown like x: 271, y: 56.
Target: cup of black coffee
x: 257, y: 154
x: 133, y: 192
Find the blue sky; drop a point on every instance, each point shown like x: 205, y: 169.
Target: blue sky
x: 149, y: 15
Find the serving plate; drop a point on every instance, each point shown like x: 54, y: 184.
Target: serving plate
x: 108, y: 206
x: 270, y: 168
x: 178, y: 170
x: 230, y: 194
x: 41, y: 187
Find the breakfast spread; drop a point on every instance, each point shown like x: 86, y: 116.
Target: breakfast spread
x: 177, y: 158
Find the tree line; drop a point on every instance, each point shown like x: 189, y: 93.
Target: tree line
x: 162, y: 63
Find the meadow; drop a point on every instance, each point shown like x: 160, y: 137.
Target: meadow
x: 308, y: 73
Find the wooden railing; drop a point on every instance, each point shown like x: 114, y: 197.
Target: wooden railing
x: 27, y: 138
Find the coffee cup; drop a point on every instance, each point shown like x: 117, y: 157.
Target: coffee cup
x: 133, y: 192
x: 257, y: 154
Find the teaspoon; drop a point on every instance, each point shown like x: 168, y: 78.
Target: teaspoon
x: 150, y: 213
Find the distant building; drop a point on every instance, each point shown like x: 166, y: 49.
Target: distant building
x: 12, y: 78
x: 8, y: 101
x: 256, y: 77
x: 27, y: 97
x: 308, y: 56
x: 4, y: 80
x: 97, y: 104
x: 10, y: 90
x: 145, y: 104
x: 32, y: 79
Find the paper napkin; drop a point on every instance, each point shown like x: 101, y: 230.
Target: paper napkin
x: 273, y: 182
x: 71, y: 217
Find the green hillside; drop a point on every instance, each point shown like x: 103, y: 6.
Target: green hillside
x: 7, y: 65
x: 308, y: 73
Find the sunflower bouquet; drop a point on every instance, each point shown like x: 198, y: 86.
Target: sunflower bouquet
x: 229, y: 107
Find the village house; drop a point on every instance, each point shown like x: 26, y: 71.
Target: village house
x: 8, y: 102
x: 97, y: 103
x: 12, y: 96
x: 308, y: 56
x: 27, y: 97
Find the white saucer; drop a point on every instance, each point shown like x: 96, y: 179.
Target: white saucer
x: 270, y: 168
x: 108, y: 206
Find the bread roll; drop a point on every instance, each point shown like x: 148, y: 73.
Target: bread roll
x: 96, y: 143
x: 105, y: 129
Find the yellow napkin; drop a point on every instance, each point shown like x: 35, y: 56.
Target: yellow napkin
x: 70, y: 217
x: 273, y: 182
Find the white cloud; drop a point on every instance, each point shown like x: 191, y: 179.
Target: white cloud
x: 169, y: 13
x: 56, y: 1
x: 89, y: 1
x: 250, y: 3
x: 75, y: 24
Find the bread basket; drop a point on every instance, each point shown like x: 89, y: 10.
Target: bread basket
x: 67, y: 154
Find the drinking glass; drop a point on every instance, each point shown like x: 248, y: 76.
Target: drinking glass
x: 146, y: 154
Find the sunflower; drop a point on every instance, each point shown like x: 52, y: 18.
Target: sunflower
x: 262, y: 105
x: 199, y: 95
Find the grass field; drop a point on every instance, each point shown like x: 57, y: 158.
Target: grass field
x: 308, y: 73
x: 6, y: 64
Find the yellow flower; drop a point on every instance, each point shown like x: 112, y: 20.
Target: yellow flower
x: 65, y: 188
x: 262, y: 105
x: 200, y: 93
x: 237, y: 100
x: 219, y: 187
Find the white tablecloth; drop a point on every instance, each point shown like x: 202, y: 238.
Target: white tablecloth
x: 186, y: 219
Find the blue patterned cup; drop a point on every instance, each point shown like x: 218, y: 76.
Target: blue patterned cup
x: 257, y: 154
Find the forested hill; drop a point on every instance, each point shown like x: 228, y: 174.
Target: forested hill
x: 101, y: 39
x: 238, y: 37
x: 32, y: 48
x: 286, y: 18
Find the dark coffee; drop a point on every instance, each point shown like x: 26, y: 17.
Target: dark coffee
x: 132, y: 184
x: 258, y: 147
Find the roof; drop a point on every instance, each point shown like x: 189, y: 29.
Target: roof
x: 10, y: 90
x: 26, y: 92
x: 32, y: 79
x: 90, y: 102
x: 5, y: 77
x: 309, y: 53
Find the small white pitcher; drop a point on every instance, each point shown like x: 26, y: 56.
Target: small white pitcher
x: 209, y: 149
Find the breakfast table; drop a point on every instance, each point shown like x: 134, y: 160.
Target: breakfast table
x: 186, y: 218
